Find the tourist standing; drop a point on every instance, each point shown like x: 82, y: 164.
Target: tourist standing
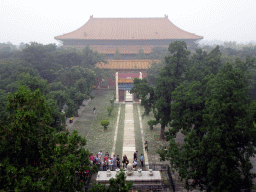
x: 106, y: 154
x: 146, y: 146
x: 135, y: 163
x: 114, y: 160
x: 94, y: 110
x: 141, y: 160
x: 125, y: 161
x: 100, y: 154
x: 98, y: 161
x: 91, y: 158
x: 106, y: 158
x: 118, y: 161
x: 104, y: 166
x: 110, y: 164
x: 134, y: 155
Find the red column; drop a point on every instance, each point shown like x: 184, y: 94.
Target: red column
x: 121, y: 95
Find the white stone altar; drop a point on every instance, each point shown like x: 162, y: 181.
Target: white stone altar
x: 136, y: 176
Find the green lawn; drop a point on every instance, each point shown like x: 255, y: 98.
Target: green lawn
x: 88, y: 125
x: 120, y: 133
x: 138, y: 140
x: 152, y: 136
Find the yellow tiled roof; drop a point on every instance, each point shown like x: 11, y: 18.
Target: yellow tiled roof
x: 125, y: 64
x: 128, y: 29
x: 120, y: 80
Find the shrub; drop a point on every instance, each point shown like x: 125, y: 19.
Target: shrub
x: 112, y: 102
x: 105, y: 123
x: 110, y: 109
x: 151, y: 123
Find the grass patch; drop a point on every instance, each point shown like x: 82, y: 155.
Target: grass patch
x: 88, y: 125
x: 152, y: 136
x: 120, y: 133
x: 138, y: 140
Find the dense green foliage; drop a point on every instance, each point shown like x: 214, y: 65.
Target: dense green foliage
x: 115, y: 184
x: 210, y: 102
x: 33, y: 156
x: 64, y: 76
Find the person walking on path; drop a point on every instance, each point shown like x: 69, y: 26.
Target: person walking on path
x: 146, y: 146
x: 94, y: 110
x: 141, y: 160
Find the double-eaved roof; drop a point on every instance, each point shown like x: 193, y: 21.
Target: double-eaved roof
x: 128, y: 29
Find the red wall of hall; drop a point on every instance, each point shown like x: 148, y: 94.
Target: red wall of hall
x: 112, y: 81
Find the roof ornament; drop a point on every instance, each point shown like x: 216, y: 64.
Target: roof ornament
x: 91, y: 16
x: 165, y: 16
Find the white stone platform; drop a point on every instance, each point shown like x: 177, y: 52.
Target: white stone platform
x: 155, y: 178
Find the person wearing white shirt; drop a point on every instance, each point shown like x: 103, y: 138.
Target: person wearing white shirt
x: 100, y: 154
x: 110, y: 163
x: 135, y: 163
x: 114, y: 160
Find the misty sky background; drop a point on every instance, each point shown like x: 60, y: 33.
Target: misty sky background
x: 40, y: 21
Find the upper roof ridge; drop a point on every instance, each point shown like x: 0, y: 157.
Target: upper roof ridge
x: 133, y: 28
x: 165, y: 16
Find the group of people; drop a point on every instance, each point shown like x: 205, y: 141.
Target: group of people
x: 108, y: 162
x: 135, y: 159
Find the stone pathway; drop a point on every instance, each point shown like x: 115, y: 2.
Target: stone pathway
x: 129, y: 135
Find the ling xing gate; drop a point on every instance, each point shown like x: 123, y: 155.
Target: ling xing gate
x: 124, y: 83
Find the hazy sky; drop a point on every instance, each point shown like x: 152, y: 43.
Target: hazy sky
x: 37, y: 20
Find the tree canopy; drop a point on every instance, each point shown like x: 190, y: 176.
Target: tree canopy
x: 33, y: 156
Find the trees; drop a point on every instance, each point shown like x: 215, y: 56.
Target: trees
x: 169, y: 78
x: 172, y: 74
x: 30, y: 159
x: 144, y: 92
x: 141, y: 55
x: 217, y: 117
x: 115, y: 184
x: 153, y: 71
x: 230, y: 140
x: 117, y: 55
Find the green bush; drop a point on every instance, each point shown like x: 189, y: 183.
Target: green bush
x: 105, y: 123
x: 151, y: 123
x: 110, y: 109
x: 112, y: 102
x: 114, y: 94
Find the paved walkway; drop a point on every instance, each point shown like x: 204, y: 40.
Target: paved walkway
x: 129, y: 134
